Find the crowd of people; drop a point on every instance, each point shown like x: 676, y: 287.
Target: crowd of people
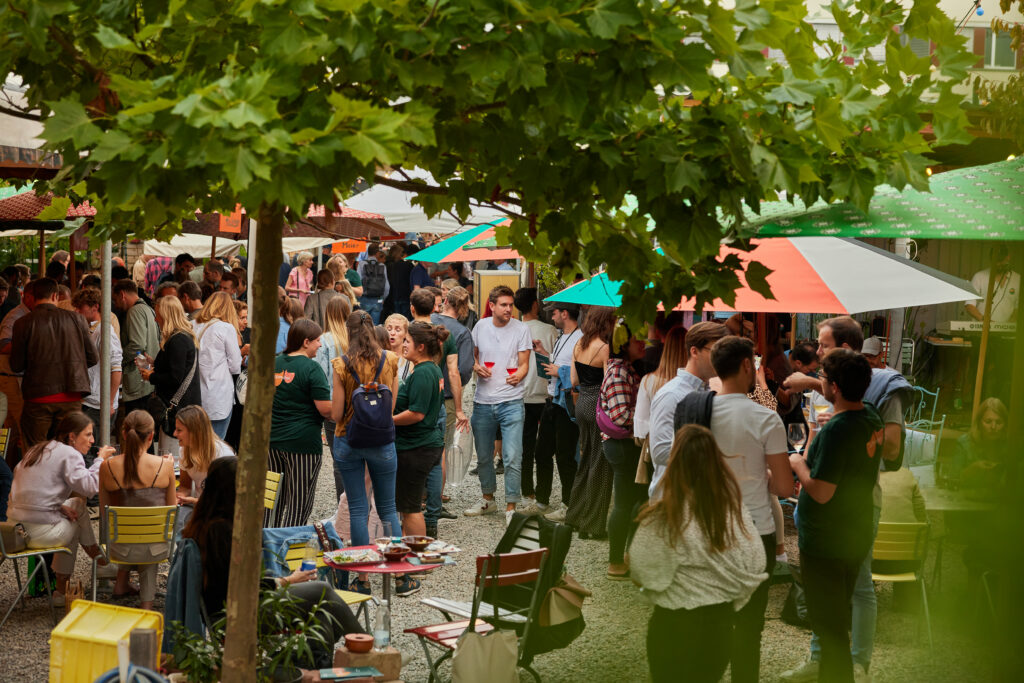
x: 674, y: 448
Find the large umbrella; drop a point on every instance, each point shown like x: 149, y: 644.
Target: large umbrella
x: 813, y: 275
x: 472, y: 244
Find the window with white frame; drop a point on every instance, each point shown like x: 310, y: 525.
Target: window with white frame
x: 998, y: 51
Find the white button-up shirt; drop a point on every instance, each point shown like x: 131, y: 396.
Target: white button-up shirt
x: 663, y: 414
x: 219, y: 358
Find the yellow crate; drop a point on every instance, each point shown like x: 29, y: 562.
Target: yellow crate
x: 84, y: 644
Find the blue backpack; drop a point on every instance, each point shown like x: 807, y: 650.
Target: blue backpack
x: 372, y: 423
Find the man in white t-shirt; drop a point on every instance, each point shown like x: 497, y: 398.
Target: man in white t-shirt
x: 1005, y: 290
x: 536, y: 389
x: 753, y: 440
x: 502, y: 365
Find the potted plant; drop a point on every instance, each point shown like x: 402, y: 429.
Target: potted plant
x: 288, y: 635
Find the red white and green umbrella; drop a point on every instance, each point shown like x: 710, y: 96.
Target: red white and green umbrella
x: 812, y: 275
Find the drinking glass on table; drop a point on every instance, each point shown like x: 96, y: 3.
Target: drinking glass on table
x: 797, y: 435
x: 383, y: 540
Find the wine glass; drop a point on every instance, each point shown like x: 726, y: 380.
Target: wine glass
x: 797, y: 435
x: 382, y: 541
x: 489, y: 364
x: 820, y: 404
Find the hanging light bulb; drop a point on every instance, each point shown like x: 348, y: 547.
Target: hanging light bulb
x: 980, y: 12
x: 928, y: 171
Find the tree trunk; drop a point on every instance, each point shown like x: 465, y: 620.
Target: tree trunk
x: 239, y: 665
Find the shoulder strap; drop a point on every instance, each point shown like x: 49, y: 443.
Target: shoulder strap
x: 351, y: 369
x: 157, y: 475
x: 380, y: 366
x: 186, y: 383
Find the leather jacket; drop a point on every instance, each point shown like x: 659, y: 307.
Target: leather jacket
x: 53, y: 349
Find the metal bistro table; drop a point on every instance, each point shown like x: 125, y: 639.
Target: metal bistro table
x: 944, y: 500
x: 386, y: 569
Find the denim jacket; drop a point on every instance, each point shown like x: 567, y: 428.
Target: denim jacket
x: 563, y: 385
x: 277, y: 541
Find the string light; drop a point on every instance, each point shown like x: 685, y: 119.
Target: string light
x: 928, y: 171
x: 975, y: 9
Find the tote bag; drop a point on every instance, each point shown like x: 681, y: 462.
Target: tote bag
x: 490, y: 657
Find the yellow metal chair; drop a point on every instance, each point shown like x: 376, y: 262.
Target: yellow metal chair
x: 40, y: 564
x: 136, y: 525
x: 272, y: 490
x: 904, y: 543
x: 293, y: 558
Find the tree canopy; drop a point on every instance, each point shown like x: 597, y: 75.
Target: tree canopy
x: 558, y: 108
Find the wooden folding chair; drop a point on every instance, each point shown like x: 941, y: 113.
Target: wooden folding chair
x: 40, y: 565
x: 272, y: 490
x: 136, y: 525
x: 906, y: 542
x: 522, y: 571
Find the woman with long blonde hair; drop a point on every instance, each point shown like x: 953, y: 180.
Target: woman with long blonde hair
x: 220, y: 357
x: 137, y: 478
x: 698, y: 557
x: 175, y: 365
x: 673, y: 357
x: 397, y: 327
x: 199, y: 447
x: 344, y: 287
x: 333, y: 343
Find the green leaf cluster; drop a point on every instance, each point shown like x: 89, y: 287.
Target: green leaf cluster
x: 558, y: 108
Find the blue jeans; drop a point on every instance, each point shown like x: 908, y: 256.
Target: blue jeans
x: 352, y: 463
x: 220, y: 427
x: 485, y: 421
x: 6, y: 479
x: 865, y: 610
x: 435, y: 480
x: 372, y: 305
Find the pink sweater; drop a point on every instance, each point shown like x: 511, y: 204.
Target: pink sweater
x: 38, y: 491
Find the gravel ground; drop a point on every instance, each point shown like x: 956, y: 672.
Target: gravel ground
x: 612, y: 646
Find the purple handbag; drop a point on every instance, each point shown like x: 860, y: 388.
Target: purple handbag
x: 608, y: 427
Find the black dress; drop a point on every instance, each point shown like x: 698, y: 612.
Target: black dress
x: 171, y: 366
x: 592, y: 487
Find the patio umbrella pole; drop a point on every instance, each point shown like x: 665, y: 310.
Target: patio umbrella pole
x: 1016, y: 427
x: 103, y: 438
x: 982, y: 352
x: 42, y: 253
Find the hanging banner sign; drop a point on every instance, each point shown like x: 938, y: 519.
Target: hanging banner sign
x: 348, y: 247
x: 232, y: 223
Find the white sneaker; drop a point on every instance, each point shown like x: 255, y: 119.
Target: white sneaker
x: 508, y: 516
x: 782, y: 559
x: 805, y: 673
x: 484, y: 507
x: 536, y: 509
x: 860, y: 674
x: 57, y: 599
x: 556, y: 515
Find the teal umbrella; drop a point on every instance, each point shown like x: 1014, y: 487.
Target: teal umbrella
x: 436, y: 252
x: 597, y: 291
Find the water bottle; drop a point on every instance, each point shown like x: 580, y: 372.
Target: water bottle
x: 381, y: 624
x: 309, y: 556
x: 140, y: 361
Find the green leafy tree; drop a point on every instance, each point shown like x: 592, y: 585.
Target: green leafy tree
x: 1003, y: 113
x: 555, y: 109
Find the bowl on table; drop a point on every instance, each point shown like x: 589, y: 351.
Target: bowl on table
x: 417, y: 543
x: 394, y: 553
x: 358, y: 642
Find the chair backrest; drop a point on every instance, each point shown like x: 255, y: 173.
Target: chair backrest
x: 5, y: 441
x: 273, y: 487
x: 522, y: 570
x: 901, y: 541
x: 142, y: 524
x: 919, y: 408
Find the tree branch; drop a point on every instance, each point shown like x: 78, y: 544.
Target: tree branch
x: 18, y: 114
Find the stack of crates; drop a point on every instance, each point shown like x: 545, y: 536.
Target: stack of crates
x: 84, y: 644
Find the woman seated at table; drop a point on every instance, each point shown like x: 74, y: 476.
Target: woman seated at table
x: 200, y: 446
x: 137, y: 478
x: 698, y: 557
x: 51, y: 484
x: 981, y: 457
x: 210, y: 527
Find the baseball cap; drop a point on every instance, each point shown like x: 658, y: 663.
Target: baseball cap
x: 562, y: 306
x: 872, y: 346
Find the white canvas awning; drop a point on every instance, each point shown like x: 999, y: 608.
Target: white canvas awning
x: 403, y: 216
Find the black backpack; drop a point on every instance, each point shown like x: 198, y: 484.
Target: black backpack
x: 372, y: 423
x: 695, y: 408
x: 374, y: 277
